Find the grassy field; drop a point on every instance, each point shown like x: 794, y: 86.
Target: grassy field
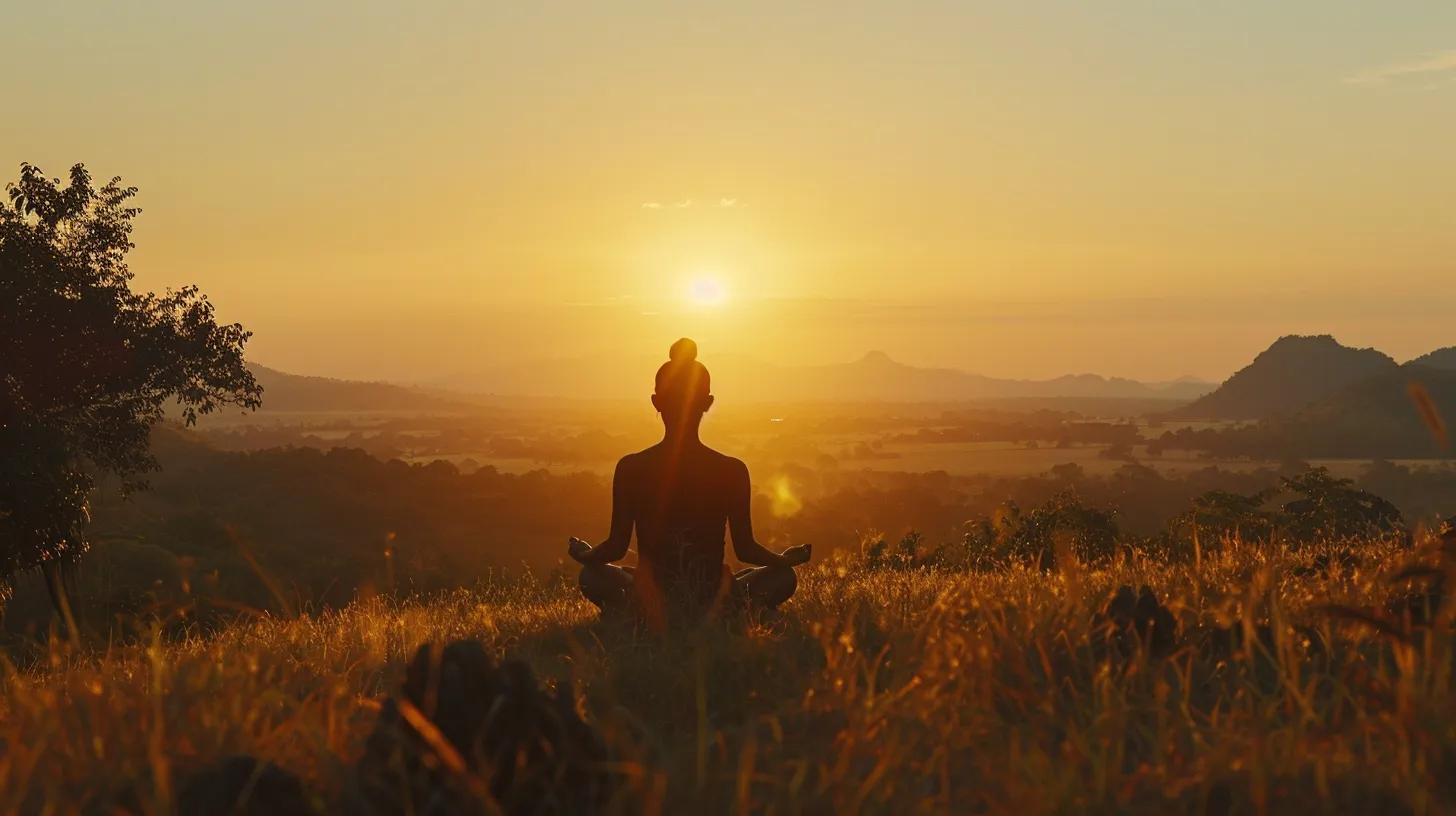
x: 879, y: 691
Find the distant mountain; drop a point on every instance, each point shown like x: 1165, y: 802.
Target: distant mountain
x: 875, y: 377
x: 294, y: 392
x: 1292, y: 373
x: 1444, y: 358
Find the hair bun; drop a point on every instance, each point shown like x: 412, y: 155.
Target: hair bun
x: 683, y: 351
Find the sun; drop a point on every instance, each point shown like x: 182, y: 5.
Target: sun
x: 707, y: 291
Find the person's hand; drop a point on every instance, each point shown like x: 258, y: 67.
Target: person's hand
x: 794, y: 556
x: 577, y: 549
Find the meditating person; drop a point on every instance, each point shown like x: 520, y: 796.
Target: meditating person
x: 679, y: 495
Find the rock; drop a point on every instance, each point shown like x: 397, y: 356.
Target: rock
x: 1128, y: 619
x: 244, y: 786
x: 468, y: 736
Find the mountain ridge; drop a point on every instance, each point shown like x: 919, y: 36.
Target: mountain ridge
x: 285, y: 391
x: 873, y: 377
x: 1441, y: 358
x: 1294, y: 371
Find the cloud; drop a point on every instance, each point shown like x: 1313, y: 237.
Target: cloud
x: 687, y: 203
x: 1439, y: 63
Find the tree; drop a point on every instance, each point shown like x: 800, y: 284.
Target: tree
x: 1034, y: 536
x: 1312, y: 506
x: 1218, y: 516
x: 87, y: 366
x: 1334, y: 509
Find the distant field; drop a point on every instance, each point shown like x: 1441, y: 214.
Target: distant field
x: 761, y: 436
x: 967, y: 459
x: 882, y: 691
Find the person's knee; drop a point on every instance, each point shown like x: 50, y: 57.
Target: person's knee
x: 594, y: 584
x: 774, y: 585
x: 589, y: 583
x: 603, y: 585
x: 788, y: 582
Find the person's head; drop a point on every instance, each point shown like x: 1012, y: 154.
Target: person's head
x: 683, y: 392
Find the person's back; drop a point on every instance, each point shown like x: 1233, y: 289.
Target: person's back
x: 682, y: 500
x: 679, y: 496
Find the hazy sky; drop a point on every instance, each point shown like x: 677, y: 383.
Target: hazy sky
x: 1136, y: 187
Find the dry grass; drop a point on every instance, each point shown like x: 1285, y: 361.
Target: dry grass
x: 880, y: 691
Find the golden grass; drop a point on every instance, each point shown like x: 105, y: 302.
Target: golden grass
x: 880, y: 691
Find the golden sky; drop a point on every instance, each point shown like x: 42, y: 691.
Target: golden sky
x: 1137, y: 188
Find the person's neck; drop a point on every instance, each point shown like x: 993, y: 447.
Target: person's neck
x: 681, y: 434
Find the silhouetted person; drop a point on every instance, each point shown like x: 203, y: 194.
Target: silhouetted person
x: 680, y: 495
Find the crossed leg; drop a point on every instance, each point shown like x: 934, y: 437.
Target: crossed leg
x: 765, y: 587
x: 610, y: 587
x: 607, y: 585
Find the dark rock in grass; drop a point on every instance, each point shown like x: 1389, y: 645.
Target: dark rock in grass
x: 1129, y: 619
x: 469, y: 736
x: 244, y: 786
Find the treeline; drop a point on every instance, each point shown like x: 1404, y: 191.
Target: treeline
x: 1308, y: 438
x: 433, y: 437
x: 1051, y: 428
x: 1311, y: 509
x: 221, y: 532
x: 1146, y: 504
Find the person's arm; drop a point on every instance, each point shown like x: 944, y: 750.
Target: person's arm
x: 740, y: 524
x: 619, y: 537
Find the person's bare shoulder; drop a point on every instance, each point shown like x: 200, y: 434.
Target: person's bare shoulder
x: 732, y: 466
x: 632, y: 461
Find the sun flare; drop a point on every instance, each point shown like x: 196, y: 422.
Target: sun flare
x: 706, y: 291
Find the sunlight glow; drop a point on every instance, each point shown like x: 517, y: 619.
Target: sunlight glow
x: 707, y: 292
x: 786, y: 502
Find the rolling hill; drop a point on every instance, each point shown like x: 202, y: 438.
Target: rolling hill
x: 875, y: 377
x: 1293, y: 372
x: 293, y: 392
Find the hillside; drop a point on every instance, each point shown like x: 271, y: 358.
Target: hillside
x: 880, y: 691
x: 1375, y: 417
x: 293, y: 392
x: 874, y: 377
x: 1292, y: 373
x: 1443, y: 358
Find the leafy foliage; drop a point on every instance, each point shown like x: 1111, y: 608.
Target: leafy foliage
x: 1219, y: 515
x: 1305, y: 508
x: 88, y: 366
x: 1035, y: 536
x: 1335, y: 509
